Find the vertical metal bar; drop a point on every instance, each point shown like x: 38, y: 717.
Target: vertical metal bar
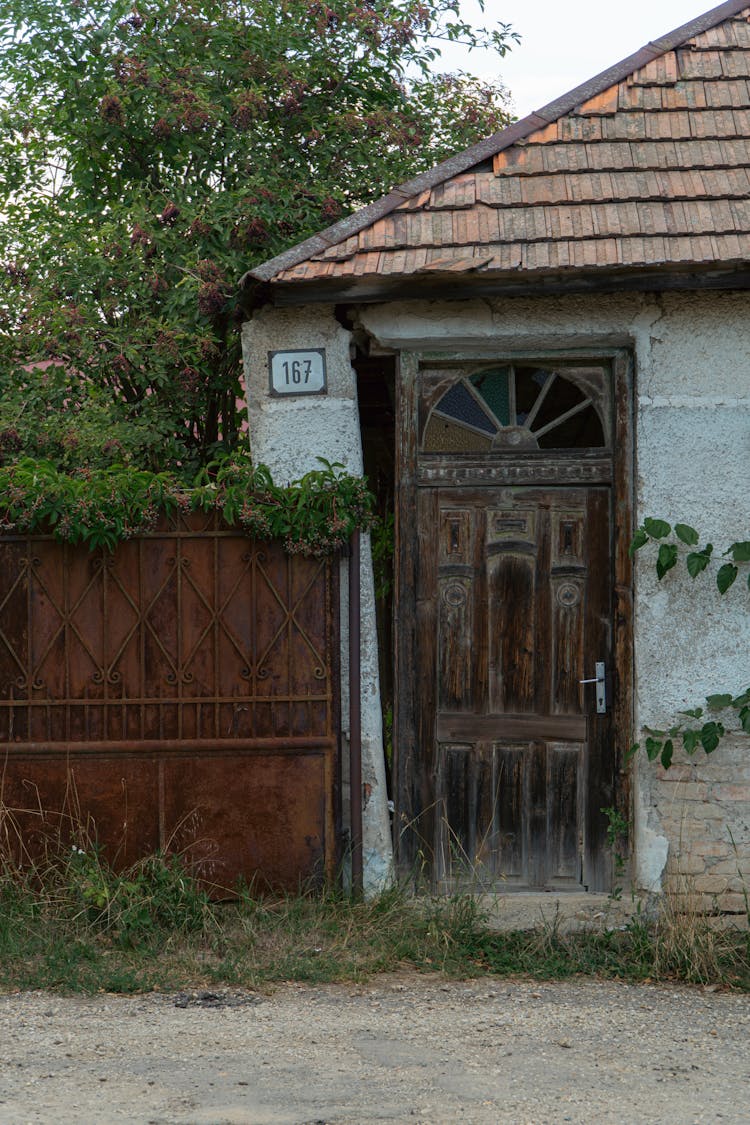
x: 109, y: 711
x: 355, y: 718
x: 178, y: 661
x: 252, y: 686
x: 30, y: 638
x: 217, y: 639
x: 66, y: 637
x: 141, y: 639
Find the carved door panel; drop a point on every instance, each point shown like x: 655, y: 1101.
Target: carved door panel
x: 515, y: 590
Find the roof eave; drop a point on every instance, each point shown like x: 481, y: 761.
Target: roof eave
x: 375, y: 288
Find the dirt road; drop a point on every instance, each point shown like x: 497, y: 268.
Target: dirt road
x: 401, y: 1049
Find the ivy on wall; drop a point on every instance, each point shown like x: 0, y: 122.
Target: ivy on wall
x: 698, y: 728
x: 314, y: 515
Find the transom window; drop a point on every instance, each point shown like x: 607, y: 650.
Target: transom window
x: 515, y: 408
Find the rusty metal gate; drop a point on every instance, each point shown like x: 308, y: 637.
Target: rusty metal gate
x: 181, y: 693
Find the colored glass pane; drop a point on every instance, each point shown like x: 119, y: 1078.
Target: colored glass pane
x: 459, y: 403
x: 442, y: 436
x: 494, y: 388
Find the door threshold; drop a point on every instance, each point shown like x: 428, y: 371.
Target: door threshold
x: 566, y: 910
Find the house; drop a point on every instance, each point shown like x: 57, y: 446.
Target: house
x: 560, y: 317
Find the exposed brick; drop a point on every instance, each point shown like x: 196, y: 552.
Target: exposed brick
x: 710, y: 884
x: 733, y: 903
x: 687, y: 790
x: 708, y: 848
x: 689, y: 864
x: 731, y: 793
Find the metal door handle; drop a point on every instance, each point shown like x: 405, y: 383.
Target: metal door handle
x: 600, y: 679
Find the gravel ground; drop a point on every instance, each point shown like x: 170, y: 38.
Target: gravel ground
x: 401, y: 1049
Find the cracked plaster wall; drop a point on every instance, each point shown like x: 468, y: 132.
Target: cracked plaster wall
x: 692, y: 364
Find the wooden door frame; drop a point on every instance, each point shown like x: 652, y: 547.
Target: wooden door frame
x: 414, y: 775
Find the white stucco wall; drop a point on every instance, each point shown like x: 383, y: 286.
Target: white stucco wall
x: 692, y: 363
x: 289, y: 435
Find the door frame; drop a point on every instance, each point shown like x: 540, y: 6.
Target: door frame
x: 415, y: 772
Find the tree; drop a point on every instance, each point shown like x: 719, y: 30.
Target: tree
x: 150, y: 153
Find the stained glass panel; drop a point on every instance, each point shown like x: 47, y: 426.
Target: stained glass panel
x: 494, y: 388
x: 442, y: 436
x: 549, y: 411
x: 458, y: 403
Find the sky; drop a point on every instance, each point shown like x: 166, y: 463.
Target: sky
x: 565, y: 42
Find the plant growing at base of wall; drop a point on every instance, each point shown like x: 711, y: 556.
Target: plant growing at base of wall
x: 681, y: 545
x: 314, y: 515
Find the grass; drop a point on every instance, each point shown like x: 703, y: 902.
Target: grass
x: 70, y: 923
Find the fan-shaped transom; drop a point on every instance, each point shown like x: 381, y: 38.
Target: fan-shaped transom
x: 515, y: 408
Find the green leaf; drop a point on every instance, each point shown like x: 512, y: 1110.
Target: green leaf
x: 691, y: 740
x: 710, y: 736
x: 718, y: 702
x: 686, y: 534
x: 740, y: 552
x: 726, y: 576
x: 697, y: 561
x: 666, y: 754
x: 693, y: 712
x: 632, y: 751
x: 657, y: 529
x: 744, y: 717
x: 666, y: 559
x: 653, y: 748
x: 640, y: 539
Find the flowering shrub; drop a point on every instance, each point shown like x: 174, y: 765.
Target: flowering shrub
x: 100, y: 507
x: 160, y: 150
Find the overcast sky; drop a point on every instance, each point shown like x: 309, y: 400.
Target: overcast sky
x: 564, y: 42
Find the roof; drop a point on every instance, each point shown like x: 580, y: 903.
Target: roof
x: 645, y: 166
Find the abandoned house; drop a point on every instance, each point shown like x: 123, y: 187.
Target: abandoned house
x: 530, y: 349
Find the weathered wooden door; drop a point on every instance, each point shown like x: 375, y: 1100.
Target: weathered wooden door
x: 513, y: 576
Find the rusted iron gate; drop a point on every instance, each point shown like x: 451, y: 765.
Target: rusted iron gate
x: 181, y: 693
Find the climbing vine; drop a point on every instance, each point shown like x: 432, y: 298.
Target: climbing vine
x: 314, y: 515
x: 677, y: 546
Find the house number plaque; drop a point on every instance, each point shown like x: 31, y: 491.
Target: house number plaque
x: 297, y: 373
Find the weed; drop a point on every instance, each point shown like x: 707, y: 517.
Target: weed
x: 73, y: 923
x: 618, y: 832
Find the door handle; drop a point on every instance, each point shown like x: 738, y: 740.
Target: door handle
x: 600, y: 679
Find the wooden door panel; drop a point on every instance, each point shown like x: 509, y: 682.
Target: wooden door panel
x: 564, y: 827
x: 512, y: 599
x: 509, y: 803
x: 456, y: 678
x: 567, y: 642
x: 468, y: 835
x: 520, y: 585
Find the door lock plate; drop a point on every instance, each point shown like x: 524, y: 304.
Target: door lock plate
x: 600, y: 679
